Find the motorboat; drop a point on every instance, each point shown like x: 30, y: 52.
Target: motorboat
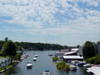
x: 73, y: 68
x: 50, y: 55
x: 46, y: 72
x: 87, y: 65
x: 34, y: 59
x: 36, y: 55
x: 80, y: 64
x: 29, y: 66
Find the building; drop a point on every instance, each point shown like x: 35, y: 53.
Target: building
x: 72, y: 57
x: 74, y: 51
x: 95, y: 70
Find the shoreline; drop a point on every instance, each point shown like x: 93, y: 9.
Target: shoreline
x: 6, y: 68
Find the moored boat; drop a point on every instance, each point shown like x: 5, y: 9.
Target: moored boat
x: 46, y: 72
x: 29, y: 66
x: 87, y: 65
x: 73, y: 68
x: 34, y: 59
x: 36, y: 55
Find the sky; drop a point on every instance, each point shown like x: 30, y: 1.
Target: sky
x: 65, y: 22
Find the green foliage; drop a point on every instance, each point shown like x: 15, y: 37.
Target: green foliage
x: 9, y: 48
x: 17, y: 57
x: 6, y: 67
x: 94, y: 60
x: 1, y: 52
x: 36, y: 46
x: 98, y: 42
x: 62, y: 66
x: 88, y: 50
x: 55, y: 58
x: 40, y: 46
x: 1, y: 44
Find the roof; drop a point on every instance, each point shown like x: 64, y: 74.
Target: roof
x: 75, y: 49
x: 72, y: 51
x: 29, y: 64
x: 95, y: 70
x: 72, y: 57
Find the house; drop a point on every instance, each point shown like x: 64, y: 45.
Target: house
x: 74, y: 51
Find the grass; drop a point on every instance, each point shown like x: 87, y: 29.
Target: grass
x: 6, y: 67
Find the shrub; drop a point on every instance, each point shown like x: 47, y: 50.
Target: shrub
x: 17, y: 56
x: 55, y: 58
x: 94, y: 60
x: 62, y: 66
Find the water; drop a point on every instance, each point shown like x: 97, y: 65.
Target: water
x: 43, y: 62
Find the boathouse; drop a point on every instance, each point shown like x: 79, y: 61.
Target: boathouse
x: 72, y: 57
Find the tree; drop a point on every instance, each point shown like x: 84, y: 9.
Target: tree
x: 6, y: 39
x: 78, y: 46
x: 9, y: 48
x: 98, y: 42
x: 89, y: 50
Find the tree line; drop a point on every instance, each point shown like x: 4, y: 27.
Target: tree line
x: 40, y: 46
x: 90, y: 49
x: 36, y: 46
x: 91, y: 52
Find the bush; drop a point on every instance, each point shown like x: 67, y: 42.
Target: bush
x: 55, y: 58
x: 62, y: 66
x: 17, y: 57
x: 1, y: 53
x: 94, y: 60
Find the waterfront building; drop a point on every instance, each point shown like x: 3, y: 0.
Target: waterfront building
x: 4, y: 62
x: 74, y: 51
x: 72, y: 57
x: 95, y: 70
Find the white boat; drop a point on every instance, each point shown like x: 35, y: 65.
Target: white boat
x: 34, y: 59
x: 36, y: 55
x: 87, y: 65
x: 73, y: 68
x: 29, y: 66
x: 46, y: 72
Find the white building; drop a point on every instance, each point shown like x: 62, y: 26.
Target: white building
x: 71, y: 57
x: 95, y: 70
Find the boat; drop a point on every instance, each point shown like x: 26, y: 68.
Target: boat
x: 73, y: 68
x: 46, y: 72
x: 34, y: 59
x: 87, y: 65
x: 36, y: 55
x: 50, y: 55
x: 80, y: 64
x: 29, y: 66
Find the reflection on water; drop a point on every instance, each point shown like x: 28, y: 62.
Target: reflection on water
x: 43, y: 62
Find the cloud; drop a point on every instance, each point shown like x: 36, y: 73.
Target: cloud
x: 51, y: 17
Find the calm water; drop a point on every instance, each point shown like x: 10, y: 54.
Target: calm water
x: 43, y: 62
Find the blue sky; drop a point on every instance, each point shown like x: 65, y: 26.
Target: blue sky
x: 66, y: 22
